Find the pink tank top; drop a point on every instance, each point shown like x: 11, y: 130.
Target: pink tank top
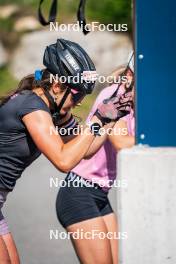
x: 102, y: 167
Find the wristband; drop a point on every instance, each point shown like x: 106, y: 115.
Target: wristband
x: 95, y: 129
x: 104, y: 120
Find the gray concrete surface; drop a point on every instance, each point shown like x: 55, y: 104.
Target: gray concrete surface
x: 30, y: 212
x: 147, y: 207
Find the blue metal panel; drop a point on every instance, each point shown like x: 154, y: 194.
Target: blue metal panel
x: 156, y: 72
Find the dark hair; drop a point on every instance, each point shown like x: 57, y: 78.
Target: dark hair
x: 28, y: 83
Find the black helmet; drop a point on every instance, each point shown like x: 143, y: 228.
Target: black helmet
x: 68, y: 59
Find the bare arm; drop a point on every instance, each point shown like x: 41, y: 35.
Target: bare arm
x: 120, y: 141
x: 63, y: 156
x: 120, y: 138
x: 97, y: 143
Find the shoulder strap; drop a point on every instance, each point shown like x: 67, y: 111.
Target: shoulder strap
x: 81, y: 16
x: 52, y: 13
x: 123, y: 74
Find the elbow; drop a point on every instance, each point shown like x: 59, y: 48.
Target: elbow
x: 64, y: 166
x: 125, y: 143
x: 118, y: 147
x: 121, y: 146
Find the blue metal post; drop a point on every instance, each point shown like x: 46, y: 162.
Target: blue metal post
x: 156, y: 72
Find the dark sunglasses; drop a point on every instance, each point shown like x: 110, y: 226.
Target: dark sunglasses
x: 77, y: 96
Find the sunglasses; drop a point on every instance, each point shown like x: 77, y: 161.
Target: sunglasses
x: 77, y: 97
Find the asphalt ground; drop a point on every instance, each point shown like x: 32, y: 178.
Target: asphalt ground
x: 30, y: 212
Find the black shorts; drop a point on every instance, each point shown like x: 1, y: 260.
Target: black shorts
x: 76, y: 204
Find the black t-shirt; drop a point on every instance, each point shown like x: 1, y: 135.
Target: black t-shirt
x: 17, y: 149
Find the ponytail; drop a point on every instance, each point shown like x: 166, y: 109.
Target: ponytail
x: 28, y: 83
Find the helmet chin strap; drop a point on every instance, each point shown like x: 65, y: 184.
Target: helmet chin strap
x: 67, y: 92
x: 54, y: 108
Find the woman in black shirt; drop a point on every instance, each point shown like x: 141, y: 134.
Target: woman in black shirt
x: 30, y: 113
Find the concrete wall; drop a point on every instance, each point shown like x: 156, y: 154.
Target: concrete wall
x: 147, y: 207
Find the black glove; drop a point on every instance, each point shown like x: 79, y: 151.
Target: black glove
x: 112, y: 109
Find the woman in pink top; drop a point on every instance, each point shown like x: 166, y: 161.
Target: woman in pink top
x: 83, y: 207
